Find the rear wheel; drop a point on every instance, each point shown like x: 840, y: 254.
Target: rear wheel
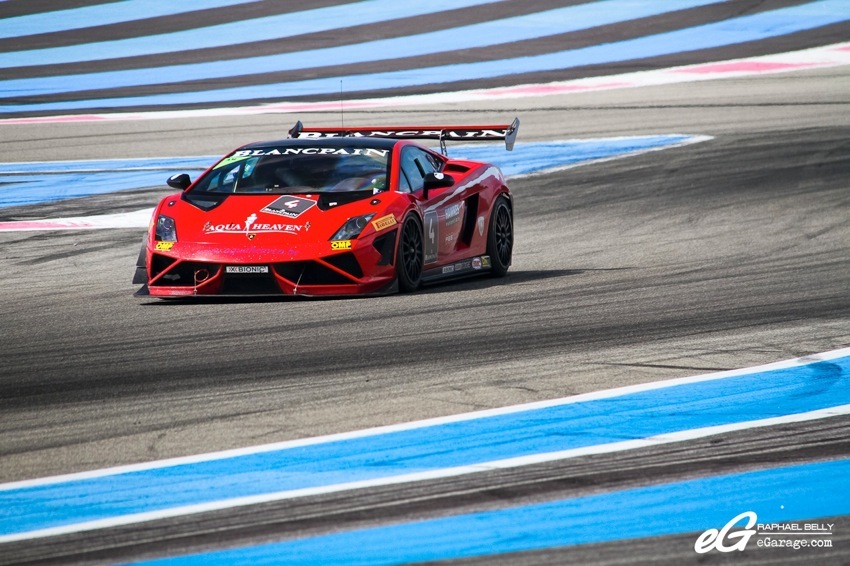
x: 410, y: 255
x: 500, y: 239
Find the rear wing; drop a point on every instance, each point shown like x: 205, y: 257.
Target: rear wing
x: 505, y: 132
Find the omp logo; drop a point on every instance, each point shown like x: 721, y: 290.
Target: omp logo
x: 341, y: 245
x: 714, y: 539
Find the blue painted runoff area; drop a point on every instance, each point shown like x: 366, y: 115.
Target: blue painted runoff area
x: 39, y: 182
x: 103, y: 15
x: 529, y: 158
x: 764, y: 25
x: 533, y: 431
x: 236, y: 32
x: 777, y: 495
x: 507, y: 30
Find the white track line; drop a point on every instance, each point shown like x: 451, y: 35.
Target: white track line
x: 666, y: 438
x: 595, y: 395
x: 622, y: 446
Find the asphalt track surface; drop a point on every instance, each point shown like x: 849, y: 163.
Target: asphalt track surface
x: 714, y: 256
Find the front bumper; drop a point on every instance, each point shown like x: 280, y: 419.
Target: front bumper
x: 366, y: 268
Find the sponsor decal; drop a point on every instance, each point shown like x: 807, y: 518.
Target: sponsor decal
x: 232, y: 159
x: 453, y: 214
x: 795, y: 535
x: 456, y: 133
x: 250, y: 228
x: 289, y: 206
x: 249, y: 221
x: 476, y: 263
x: 341, y: 245
x: 480, y: 225
x: 246, y: 269
x: 164, y: 246
x: 448, y: 269
x: 485, y: 261
x: 367, y: 151
x: 384, y: 222
x: 464, y: 265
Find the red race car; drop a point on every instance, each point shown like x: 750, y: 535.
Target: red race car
x: 332, y: 212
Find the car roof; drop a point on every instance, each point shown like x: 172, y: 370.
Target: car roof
x: 380, y: 143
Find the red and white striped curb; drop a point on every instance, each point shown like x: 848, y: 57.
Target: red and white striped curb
x: 137, y: 219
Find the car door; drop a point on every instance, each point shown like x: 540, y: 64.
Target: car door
x: 443, y: 210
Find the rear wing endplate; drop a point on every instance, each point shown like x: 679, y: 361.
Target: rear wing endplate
x: 505, y: 132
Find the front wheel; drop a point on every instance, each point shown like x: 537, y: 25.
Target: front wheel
x: 410, y: 255
x: 500, y: 239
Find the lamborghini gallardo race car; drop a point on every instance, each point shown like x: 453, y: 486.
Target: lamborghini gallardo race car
x: 327, y: 211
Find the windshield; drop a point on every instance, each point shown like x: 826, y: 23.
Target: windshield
x: 298, y: 169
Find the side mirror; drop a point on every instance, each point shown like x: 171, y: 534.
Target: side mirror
x: 436, y: 180
x: 180, y: 181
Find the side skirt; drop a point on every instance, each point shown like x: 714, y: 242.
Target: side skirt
x: 463, y: 268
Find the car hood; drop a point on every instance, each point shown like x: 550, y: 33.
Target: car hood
x: 295, y: 226
x: 263, y: 219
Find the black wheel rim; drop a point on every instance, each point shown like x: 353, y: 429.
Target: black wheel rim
x: 411, y: 252
x: 504, y: 235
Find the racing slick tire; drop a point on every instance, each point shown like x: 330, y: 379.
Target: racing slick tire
x: 410, y: 254
x: 500, y: 237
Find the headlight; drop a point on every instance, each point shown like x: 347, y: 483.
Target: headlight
x: 352, y: 227
x: 166, y: 230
